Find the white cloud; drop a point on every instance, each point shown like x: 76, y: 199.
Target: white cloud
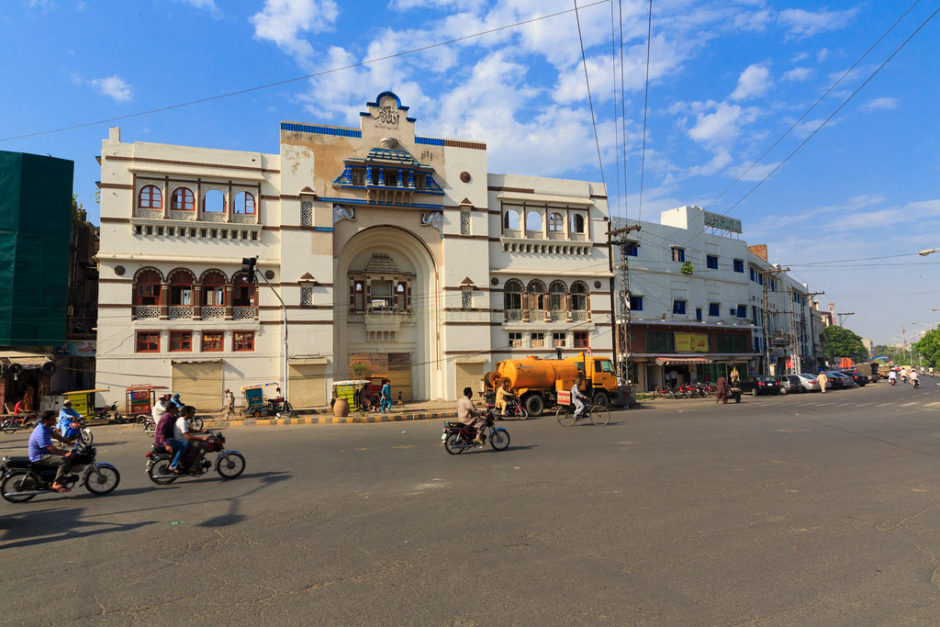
x: 798, y: 74
x: 406, y: 5
x: 721, y: 126
x: 807, y: 23
x: 113, y: 87
x: 755, y: 173
x: 880, y: 104
x: 205, y: 5
x: 755, y: 80
x: 823, y: 54
x: 284, y: 21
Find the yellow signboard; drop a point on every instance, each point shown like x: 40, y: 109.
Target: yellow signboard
x: 691, y: 342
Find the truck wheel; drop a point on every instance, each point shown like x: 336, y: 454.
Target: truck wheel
x: 534, y: 405
x: 600, y: 398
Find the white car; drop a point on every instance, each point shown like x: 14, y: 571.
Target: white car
x: 809, y: 382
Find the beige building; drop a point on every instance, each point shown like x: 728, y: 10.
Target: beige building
x: 395, y: 255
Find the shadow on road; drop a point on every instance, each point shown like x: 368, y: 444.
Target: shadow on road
x: 51, y: 525
x: 233, y: 516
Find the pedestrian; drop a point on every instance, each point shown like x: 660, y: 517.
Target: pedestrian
x: 229, y: 403
x: 386, y: 395
x: 401, y: 401
x: 365, y: 399
x: 721, y: 394
x: 823, y: 380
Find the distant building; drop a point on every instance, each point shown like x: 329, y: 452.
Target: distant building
x: 35, y: 227
x: 396, y: 255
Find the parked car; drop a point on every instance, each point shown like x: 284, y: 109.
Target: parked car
x: 790, y: 384
x: 761, y: 384
x: 809, y: 382
x: 860, y: 379
x: 840, y: 381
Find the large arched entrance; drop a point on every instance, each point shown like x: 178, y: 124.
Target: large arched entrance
x: 387, y: 313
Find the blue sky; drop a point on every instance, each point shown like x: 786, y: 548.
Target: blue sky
x: 727, y: 79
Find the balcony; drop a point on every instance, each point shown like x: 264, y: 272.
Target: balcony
x: 551, y: 242
x: 143, y: 312
x: 244, y: 313
x: 383, y: 324
x: 212, y: 312
x: 179, y: 312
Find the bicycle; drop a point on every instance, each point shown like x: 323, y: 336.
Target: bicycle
x: 599, y: 414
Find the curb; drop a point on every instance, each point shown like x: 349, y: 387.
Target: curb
x: 321, y: 420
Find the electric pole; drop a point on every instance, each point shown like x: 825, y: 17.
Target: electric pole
x: 812, y: 336
x: 768, y: 276
x: 843, y: 316
x: 624, y: 339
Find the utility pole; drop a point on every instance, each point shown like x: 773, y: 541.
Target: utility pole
x: 812, y: 336
x: 768, y: 275
x: 796, y: 360
x: 624, y: 338
x: 843, y: 316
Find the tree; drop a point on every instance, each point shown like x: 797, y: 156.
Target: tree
x: 896, y: 354
x: 841, y: 342
x: 929, y: 347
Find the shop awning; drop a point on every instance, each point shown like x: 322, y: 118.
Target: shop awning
x: 681, y: 361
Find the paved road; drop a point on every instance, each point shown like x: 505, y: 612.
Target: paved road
x: 807, y: 509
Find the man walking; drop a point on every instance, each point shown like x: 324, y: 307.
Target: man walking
x: 229, y: 404
x: 822, y: 380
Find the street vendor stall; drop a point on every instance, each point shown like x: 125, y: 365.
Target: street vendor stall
x: 140, y: 400
x: 348, y: 392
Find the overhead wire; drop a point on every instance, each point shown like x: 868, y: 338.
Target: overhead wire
x: 646, y: 91
x: 587, y: 82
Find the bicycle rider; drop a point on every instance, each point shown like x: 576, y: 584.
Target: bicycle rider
x: 577, y: 398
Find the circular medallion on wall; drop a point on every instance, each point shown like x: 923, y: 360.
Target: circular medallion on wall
x: 494, y: 281
x: 269, y: 274
x: 119, y: 270
x: 597, y: 285
x: 465, y: 177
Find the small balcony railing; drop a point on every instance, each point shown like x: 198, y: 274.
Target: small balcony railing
x: 244, y: 313
x: 178, y: 312
x: 212, y: 312
x: 142, y: 312
x: 513, y: 315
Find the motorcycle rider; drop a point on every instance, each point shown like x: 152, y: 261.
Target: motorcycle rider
x: 67, y: 416
x: 176, y: 401
x: 163, y: 435
x: 467, y: 415
x: 915, y: 380
x: 577, y: 398
x: 501, y: 393
x: 159, y: 408
x: 892, y: 377
x: 42, y: 450
x: 181, y: 432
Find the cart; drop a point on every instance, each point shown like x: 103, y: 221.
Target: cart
x: 349, y: 390
x: 256, y: 405
x: 140, y: 400
x: 83, y: 401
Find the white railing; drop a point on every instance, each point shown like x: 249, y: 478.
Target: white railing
x: 556, y: 315
x: 150, y: 214
x: 183, y: 215
x: 146, y: 311
x: 537, y: 315
x: 534, y: 235
x: 556, y: 235
x: 213, y: 217
x: 178, y: 312
x: 512, y: 233
x: 579, y: 315
x: 578, y: 237
x: 513, y: 315
x: 247, y: 218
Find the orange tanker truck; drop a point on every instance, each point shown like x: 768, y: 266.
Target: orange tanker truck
x: 537, y: 381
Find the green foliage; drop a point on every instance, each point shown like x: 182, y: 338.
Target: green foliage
x: 360, y: 370
x: 841, y: 342
x: 687, y: 268
x: 929, y: 347
x: 896, y: 354
x: 79, y: 214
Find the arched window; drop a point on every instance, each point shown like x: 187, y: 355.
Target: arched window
x: 150, y: 197
x: 243, y: 292
x: 556, y: 296
x: 537, y: 295
x: 181, y: 288
x: 244, y: 203
x: 147, y: 287
x: 512, y: 295
x: 579, y: 293
x: 577, y: 223
x: 183, y: 199
x: 533, y: 221
x: 556, y: 223
x: 213, y: 202
x: 213, y: 288
x: 511, y: 220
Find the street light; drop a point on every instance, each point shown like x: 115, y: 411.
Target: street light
x: 927, y: 251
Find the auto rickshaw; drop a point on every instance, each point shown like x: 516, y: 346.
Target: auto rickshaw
x: 349, y: 391
x: 256, y: 405
x: 83, y: 401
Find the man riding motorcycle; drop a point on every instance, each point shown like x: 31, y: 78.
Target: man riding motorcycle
x: 67, y: 416
x: 42, y: 451
x: 892, y: 377
x: 469, y: 416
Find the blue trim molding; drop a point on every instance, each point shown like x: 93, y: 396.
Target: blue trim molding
x: 358, y: 201
x: 320, y: 130
x: 430, y: 141
x: 323, y: 229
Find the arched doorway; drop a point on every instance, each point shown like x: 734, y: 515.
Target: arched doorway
x: 388, y: 311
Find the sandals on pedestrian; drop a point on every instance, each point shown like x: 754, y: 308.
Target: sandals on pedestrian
x: 60, y: 488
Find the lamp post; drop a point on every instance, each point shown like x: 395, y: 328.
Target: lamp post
x: 927, y: 251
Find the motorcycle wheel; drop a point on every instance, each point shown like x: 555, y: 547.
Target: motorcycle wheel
x: 19, y: 481
x: 8, y: 426
x: 197, y: 423
x: 287, y: 409
x: 453, y: 445
x: 565, y: 416
x: 600, y: 416
x: 522, y: 414
x: 102, y: 480
x: 499, y: 439
x: 158, y: 470
x: 230, y: 465
x: 85, y: 436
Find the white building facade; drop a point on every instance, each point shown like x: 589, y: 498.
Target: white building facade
x: 395, y: 255
x: 703, y: 302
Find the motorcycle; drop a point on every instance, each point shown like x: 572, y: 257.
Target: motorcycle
x: 229, y: 463
x: 514, y: 408
x: 78, y: 431
x: 23, y: 479
x: 109, y: 413
x: 15, y: 423
x: 915, y: 383
x: 893, y: 381
x: 458, y: 437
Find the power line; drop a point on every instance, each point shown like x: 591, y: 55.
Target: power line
x: 288, y: 81
x: 646, y: 92
x: 834, y: 113
x: 587, y: 82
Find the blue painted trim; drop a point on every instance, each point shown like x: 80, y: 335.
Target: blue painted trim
x: 320, y: 130
x: 323, y: 229
x: 430, y: 141
x: 357, y: 201
x: 387, y: 93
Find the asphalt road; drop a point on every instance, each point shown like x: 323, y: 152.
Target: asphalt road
x: 801, y: 510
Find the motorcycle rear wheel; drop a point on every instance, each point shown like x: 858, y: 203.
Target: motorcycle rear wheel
x: 565, y: 416
x: 522, y: 414
x: 452, y: 444
x: 8, y: 426
x: 160, y: 473
x: 230, y: 465
x: 102, y: 480
x: 499, y: 439
x: 19, y: 481
x: 85, y: 436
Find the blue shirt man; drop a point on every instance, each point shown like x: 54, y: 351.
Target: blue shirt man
x: 67, y: 416
x: 386, y: 396
x: 42, y: 450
